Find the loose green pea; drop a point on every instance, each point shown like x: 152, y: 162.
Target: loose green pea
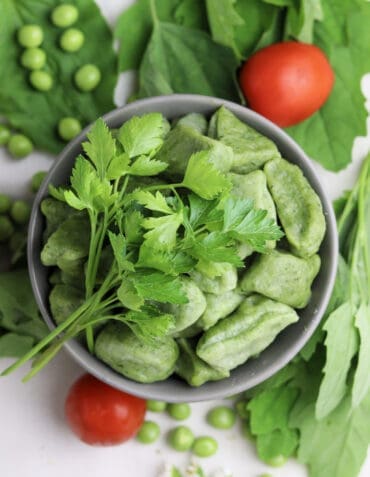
x: 72, y: 40
x: 221, y: 417
x: 148, y: 432
x: 69, y: 128
x: 277, y: 461
x: 179, y: 411
x: 36, y: 180
x: 156, y: 406
x: 5, y: 203
x: 241, y: 409
x: 4, y: 134
x: 64, y: 15
x: 20, y: 146
x: 204, y: 446
x: 6, y: 228
x: 181, y: 438
x: 30, y: 36
x: 41, y: 80
x: 20, y: 211
x: 87, y: 77
x: 33, y: 58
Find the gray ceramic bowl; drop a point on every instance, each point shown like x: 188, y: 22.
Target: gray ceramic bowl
x: 287, y: 344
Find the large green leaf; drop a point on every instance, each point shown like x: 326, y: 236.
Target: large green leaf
x: 37, y: 113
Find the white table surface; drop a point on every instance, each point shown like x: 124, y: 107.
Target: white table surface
x: 34, y: 438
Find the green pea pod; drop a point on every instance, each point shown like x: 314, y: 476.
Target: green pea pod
x: 226, y: 280
x: 253, y: 186
x: 245, y: 333
x: 194, y: 370
x: 251, y: 149
x: 183, y: 141
x: 117, y: 346
x: 188, y: 313
x: 219, y: 306
x: 64, y: 300
x: 299, y: 207
x: 283, y: 277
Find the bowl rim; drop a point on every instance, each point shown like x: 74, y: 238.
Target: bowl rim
x: 207, y: 391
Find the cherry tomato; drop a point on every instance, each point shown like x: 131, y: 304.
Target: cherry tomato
x: 287, y: 82
x: 101, y: 415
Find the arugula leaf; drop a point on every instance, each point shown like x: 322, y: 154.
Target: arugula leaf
x: 223, y: 18
x: 18, y: 98
x: 141, y: 135
x: 344, y: 38
x: 203, y: 178
x: 100, y: 147
x: 163, y: 231
x: 173, y: 51
x: 159, y: 287
x: 155, y: 202
x: 341, y: 346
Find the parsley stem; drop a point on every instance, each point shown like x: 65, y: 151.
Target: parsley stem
x: 163, y: 186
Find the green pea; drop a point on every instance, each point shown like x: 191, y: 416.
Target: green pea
x: 5, y: 203
x: 41, y: 80
x: 69, y: 128
x: 277, y: 461
x: 4, y: 134
x: 36, y: 180
x: 20, y: 146
x: 204, y: 446
x: 6, y: 228
x: 20, y: 211
x: 179, y: 411
x: 72, y: 40
x: 241, y: 409
x: 33, y: 58
x: 181, y: 438
x: 148, y: 432
x: 156, y: 406
x: 64, y: 15
x: 87, y: 77
x: 30, y: 36
x: 221, y: 417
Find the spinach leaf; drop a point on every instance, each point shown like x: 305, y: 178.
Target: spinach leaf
x: 13, y: 345
x: 37, y: 113
x: 343, y: 35
x: 179, y: 59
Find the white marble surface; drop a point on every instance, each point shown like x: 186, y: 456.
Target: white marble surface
x: 34, y: 439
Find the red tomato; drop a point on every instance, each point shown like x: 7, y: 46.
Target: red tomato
x: 287, y: 82
x: 102, y: 415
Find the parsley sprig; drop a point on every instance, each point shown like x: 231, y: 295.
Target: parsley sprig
x: 155, y: 233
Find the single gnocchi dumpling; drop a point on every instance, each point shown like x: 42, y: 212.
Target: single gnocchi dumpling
x: 283, y: 277
x: 226, y: 280
x: 299, y: 207
x: 219, y: 306
x: 118, y: 347
x: 245, y: 333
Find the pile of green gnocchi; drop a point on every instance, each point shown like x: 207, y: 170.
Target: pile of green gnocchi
x: 232, y: 314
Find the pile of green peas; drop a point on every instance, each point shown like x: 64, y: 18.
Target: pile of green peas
x: 18, y: 145
x: 182, y: 439
x: 14, y: 217
x: 86, y: 78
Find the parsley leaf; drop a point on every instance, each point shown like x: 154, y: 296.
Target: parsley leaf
x: 203, y: 178
x: 128, y: 295
x: 159, y: 287
x: 172, y: 263
x: 141, y: 135
x: 145, y: 166
x: 214, y: 247
x: 150, y: 323
x: 163, y: 233
x: 101, y: 147
x: 155, y: 202
x: 118, y: 243
x: 203, y: 211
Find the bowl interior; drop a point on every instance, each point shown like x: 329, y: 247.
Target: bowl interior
x: 287, y: 344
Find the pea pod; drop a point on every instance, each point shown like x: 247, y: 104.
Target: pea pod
x: 283, y: 277
x: 299, y: 207
x: 193, y: 369
x: 251, y: 149
x: 117, y: 346
x: 245, y: 333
